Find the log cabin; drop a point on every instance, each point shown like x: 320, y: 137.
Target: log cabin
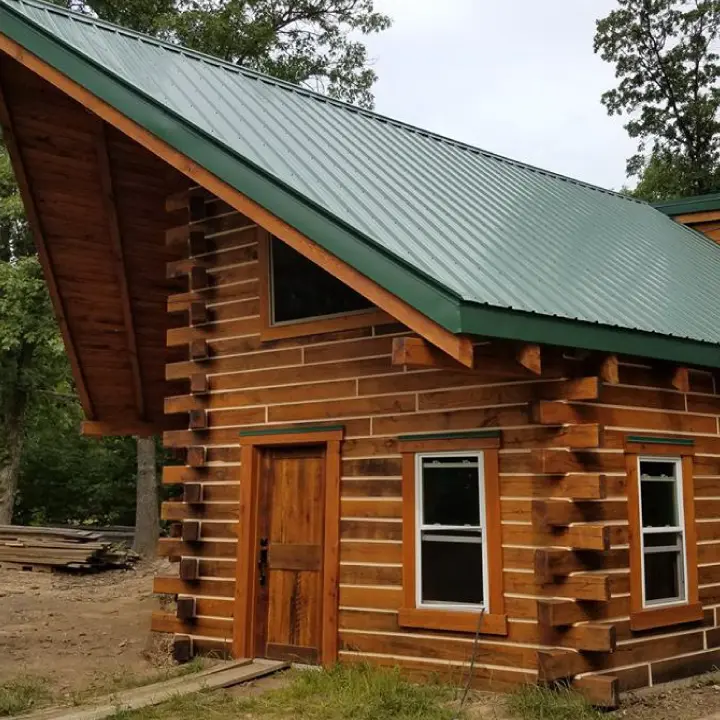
x: 702, y: 213
x: 433, y: 408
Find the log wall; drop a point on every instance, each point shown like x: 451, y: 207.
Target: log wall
x: 348, y: 377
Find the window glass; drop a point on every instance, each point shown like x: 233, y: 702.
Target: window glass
x: 300, y: 289
x: 451, y: 491
x: 452, y: 568
x: 663, y: 551
x: 450, y: 532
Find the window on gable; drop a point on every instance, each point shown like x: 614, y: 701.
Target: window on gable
x: 450, y: 530
x: 302, y: 290
x: 662, y: 531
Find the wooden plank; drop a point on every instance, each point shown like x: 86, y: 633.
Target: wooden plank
x: 189, y: 568
x: 36, y: 227
x: 549, y: 563
x: 295, y: 557
x: 553, y: 612
x: 587, y: 637
x: 185, y: 608
x: 681, y: 379
x: 196, y: 456
x: 561, y: 513
x: 198, y: 384
x: 554, y: 665
x: 599, y: 690
x: 417, y: 352
x: 120, y: 263
x: 529, y: 357
x: 193, y: 493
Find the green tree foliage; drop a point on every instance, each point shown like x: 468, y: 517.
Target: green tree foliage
x: 310, y: 42
x: 665, y: 58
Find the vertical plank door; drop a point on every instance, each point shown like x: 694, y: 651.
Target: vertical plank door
x: 288, y: 603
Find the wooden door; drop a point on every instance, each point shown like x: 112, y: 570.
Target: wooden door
x: 289, y: 554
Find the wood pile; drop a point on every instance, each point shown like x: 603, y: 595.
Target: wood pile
x: 60, y: 548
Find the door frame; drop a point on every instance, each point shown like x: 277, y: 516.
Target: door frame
x: 252, y: 444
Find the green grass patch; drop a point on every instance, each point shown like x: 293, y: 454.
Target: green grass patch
x: 23, y: 694
x: 535, y: 702
x: 341, y: 693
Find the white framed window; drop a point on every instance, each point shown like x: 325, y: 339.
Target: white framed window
x: 450, y: 543
x: 662, y: 531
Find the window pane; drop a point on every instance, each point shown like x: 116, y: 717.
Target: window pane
x: 301, y: 289
x: 452, y: 571
x: 663, y: 573
x: 658, y: 488
x: 451, y: 492
x: 662, y: 540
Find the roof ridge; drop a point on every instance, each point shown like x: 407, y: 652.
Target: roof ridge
x: 291, y: 87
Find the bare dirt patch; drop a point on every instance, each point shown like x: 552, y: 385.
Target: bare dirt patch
x: 78, y: 631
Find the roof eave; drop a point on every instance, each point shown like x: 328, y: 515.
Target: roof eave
x: 438, y: 304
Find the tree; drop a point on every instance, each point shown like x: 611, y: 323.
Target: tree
x: 308, y: 42
x: 668, y: 70
x: 32, y: 362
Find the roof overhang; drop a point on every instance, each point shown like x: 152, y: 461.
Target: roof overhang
x: 201, y: 157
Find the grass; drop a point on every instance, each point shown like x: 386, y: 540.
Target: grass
x: 341, y: 693
x: 535, y: 702
x: 22, y: 694
x: 112, y: 683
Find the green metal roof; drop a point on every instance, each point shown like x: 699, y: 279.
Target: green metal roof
x: 479, y: 243
x: 696, y: 203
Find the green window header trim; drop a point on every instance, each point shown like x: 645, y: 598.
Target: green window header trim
x: 653, y: 440
x: 468, y: 434
x: 291, y: 430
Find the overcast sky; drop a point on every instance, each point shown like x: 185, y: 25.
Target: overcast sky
x: 516, y: 77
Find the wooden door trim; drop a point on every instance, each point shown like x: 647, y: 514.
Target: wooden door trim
x: 251, y: 446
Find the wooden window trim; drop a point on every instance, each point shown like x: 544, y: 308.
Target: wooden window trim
x: 494, y: 620
x: 250, y: 446
x: 691, y: 610
x: 300, y: 328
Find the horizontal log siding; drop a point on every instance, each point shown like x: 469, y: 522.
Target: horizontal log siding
x: 348, y: 377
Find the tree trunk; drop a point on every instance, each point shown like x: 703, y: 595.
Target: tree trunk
x: 147, y: 517
x: 10, y: 469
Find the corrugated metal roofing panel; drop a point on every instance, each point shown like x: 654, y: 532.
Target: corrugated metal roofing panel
x: 489, y: 230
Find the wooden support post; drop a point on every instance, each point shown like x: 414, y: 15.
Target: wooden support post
x: 199, y: 350
x: 199, y: 279
x: 554, y: 665
x: 190, y: 530
x: 599, y: 690
x: 198, y: 384
x: 186, y: 608
x: 198, y: 313
x: 529, y: 357
x: 118, y: 255
x: 182, y: 648
x: 193, y: 493
x: 610, y: 370
x: 198, y: 420
x: 189, y: 569
x: 196, y: 456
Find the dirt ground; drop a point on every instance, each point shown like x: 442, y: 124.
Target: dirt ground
x: 78, y: 630
x: 85, y: 631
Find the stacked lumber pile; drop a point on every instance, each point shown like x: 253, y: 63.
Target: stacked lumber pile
x: 60, y: 548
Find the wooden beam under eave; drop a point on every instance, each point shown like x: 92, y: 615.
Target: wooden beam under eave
x: 529, y: 357
x: 681, y: 379
x: 104, y: 429
x: 610, y: 370
x: 417, y: 352
x: 118, y: 256
x: 33, y: 217
x: 458, y: 347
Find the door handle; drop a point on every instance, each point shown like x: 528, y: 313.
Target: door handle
x: 263, y: 560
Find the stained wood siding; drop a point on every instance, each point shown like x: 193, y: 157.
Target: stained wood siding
x: 348, y: 377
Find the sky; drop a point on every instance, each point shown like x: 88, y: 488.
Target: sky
x: 515, y: 77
